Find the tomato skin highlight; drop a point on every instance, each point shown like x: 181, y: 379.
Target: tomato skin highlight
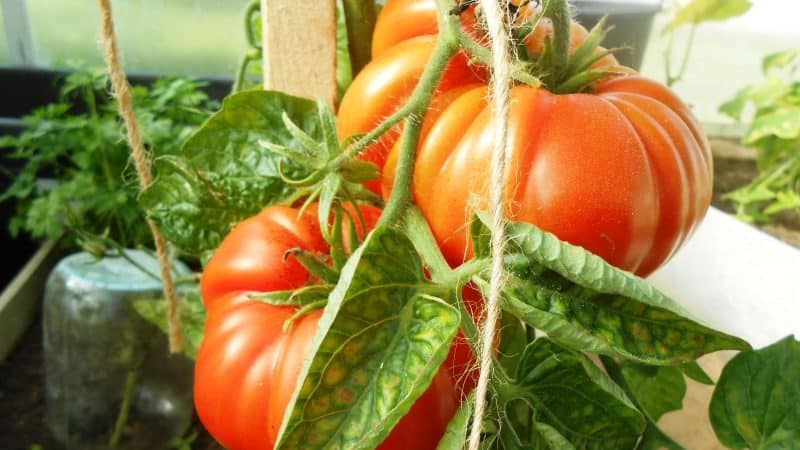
x: 247, y: 365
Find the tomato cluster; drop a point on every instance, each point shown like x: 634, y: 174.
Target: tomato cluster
x: 621, y: 169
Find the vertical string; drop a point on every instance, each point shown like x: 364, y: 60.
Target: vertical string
x: 496, y: 13
x: 122, y: 93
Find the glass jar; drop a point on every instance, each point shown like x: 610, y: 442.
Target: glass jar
x: 110, y: 381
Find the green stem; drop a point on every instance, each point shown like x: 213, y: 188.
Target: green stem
x: 250, y: 33
x: 685, y: 63
x: 558, y: 12
x: 360, y: 16
x: 483, y: 55
x: 422, y: 237
x: 241, y: 72
x: 124, y: 409
x: 253, y: 52
x: 446, y: 48
x: 464, y: 273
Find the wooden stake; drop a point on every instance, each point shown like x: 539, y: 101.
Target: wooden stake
x: 299, y: 41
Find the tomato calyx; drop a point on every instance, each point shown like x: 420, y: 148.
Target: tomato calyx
x: 546, y: 51
x: 325, y: 182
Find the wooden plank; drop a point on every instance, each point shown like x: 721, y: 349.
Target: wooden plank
x: 21, y: 299
x: 299, y: 47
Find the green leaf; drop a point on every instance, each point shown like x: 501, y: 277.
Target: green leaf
x: 761, y: 95
x: 572, y: 395
x: 780, y: 60
x: 653, y: 438
x: 696, y: 373
x: 784, y: 200
x: 585, y: 303
x: 756, y: 403
x: 193, y: 316
x: 552, y: 438
x: 699, y: 11
x: 379, y: 344
x: 659, y: 390
x: 223, y: 175
x: 455, y: 436
x: 783, y: 123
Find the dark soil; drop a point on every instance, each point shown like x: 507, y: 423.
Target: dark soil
x: 22, y: 424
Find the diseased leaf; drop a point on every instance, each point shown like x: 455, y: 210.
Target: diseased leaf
x: 585, y: 303
x: 573, y: 396
x: 380, y: 342
x: 756, y: 403
x: 193, y: 317
x: 783, y: 123
x: 699, y: 11
x: 659, y: 390
x: 223, y: 175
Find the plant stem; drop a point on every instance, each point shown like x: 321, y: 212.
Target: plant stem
x: 359, y: 15
x: 253, y: 52
x: 446, y: 48
x: 685, y: 63
x: 422, y: 237
x: 558, y: 12
x: 483, y: 55
x: 124, y: 409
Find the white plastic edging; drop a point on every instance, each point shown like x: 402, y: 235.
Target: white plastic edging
x: 737, y: 279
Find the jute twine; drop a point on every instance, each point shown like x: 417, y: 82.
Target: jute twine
x: 122, y: 93
x: 494, y: 12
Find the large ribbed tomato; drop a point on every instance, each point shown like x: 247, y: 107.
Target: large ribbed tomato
x: 622, y: 169
x: 247, y: 366
x: 624, y: 172
x: 403, y: 41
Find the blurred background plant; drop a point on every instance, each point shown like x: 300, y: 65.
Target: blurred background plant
x: 76, y: 178
x: 767, y: 109
x: 771, y: 110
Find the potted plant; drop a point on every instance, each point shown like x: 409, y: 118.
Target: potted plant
x: 71, y: 184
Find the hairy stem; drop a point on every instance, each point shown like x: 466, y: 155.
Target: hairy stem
x: 446, y: 48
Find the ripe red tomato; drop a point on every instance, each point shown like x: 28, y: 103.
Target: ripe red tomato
x: 247, y: 366
x: 625, y: 172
